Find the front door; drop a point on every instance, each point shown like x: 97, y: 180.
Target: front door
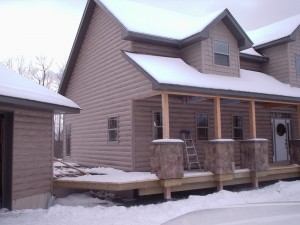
x: 281, y: 135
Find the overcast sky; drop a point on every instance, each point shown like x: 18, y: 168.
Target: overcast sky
x: 48, y: 27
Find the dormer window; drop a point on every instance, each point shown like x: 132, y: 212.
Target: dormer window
x: 221, y: 53
x: 298, y: 65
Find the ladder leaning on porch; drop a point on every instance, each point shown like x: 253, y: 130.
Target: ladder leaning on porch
x: 190, y: 150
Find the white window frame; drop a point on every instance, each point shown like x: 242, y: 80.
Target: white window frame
x: 221, y: 53
x: 114, y: 128
x: 298, y: 65
x: 202, y: 127
x: 155, y: 127
x: 237, y: 127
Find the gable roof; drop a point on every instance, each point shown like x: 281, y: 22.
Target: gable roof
x: 280, y: 32
x: 19, y: 90
x: 198, y: 30
x: 143, y: 22
x: 173, y: 74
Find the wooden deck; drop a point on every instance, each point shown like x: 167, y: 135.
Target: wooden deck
x: 190, y: 181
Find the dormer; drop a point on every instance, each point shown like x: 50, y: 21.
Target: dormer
x: 219, y: 52
x: 280, y: 42
x: 210, y: 43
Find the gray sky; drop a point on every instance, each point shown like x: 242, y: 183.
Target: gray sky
x: 34, y: 27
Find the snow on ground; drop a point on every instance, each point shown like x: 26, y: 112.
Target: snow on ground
x: 144, y: 214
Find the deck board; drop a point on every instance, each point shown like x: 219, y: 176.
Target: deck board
x: 190, y: 181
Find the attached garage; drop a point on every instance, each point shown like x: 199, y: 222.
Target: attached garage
x: 26, y: 140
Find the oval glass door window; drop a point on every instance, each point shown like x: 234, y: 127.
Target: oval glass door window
x: 281, y: 129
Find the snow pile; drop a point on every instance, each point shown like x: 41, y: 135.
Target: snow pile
x: 156, y: 21
x: 150, y: 214
x: 16, y: 86
x: 175, y: 71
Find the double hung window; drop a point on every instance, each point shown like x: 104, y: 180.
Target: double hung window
x: 221, y: 53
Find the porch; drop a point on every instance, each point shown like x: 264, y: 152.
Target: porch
x: 146, y: 183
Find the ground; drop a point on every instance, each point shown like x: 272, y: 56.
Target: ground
x: 95, y: 208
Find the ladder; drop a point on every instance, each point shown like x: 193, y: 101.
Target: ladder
x: 190, y: 151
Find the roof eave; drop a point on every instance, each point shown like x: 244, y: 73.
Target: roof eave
x: 26, y: 103
x: 254, y: 58
x: 244, y: 42
x: 225, y: 93
x: 270, y: 44
x: 86, y: 18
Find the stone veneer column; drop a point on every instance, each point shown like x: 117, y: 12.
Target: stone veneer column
x: 254, y: 154
x: 255, y: 157
x: 219, y: 159
x: 219, y: 156
x: 166, y: 158
x: 294, y: 151
x: 166, y: 161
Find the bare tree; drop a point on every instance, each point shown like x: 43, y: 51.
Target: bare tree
x: 40, y: 70
x: 18, y: 64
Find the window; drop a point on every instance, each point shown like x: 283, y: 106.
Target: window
x: 237, y: 124
x: 113, y: 135
x: 221, y: 53
x: 202, y: 126
x: 68, y: 140
x: 298, y: 65
x: 157, y: 125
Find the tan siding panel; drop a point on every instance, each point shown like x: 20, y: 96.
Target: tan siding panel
x: 152, y: 49
x: 32, y: 156
x: 278, y: 63
x: 250, y: 65
x: 103, y: 83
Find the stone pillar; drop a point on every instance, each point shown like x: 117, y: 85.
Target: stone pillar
x: 294, y: 151
x: 254, y: 154
x: 166, y: 158
x: 219, y: 156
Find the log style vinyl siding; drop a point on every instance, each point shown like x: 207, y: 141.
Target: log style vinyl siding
x: 183, y: 117
x: 278, y: 65
x: 192, y: 55
x: 250, y: 65
x: 294, y: 50
x: 103, y: 83
x: 32, y: 153
x: 220, y: 33
x: 152, y: 49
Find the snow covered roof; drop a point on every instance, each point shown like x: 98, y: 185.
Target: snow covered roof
x: 173, y: 73
x: 166, y: 24
x: 251, y: 51
x: 14, y: 86
x: 275, y: 31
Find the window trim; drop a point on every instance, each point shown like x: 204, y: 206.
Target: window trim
x: 68, y: 143
x: 196, y: 125
x: 221, y: 53
x: 297, y: 63
x: 112, y: 129
x: 234, y: 127
x: 155, y: 127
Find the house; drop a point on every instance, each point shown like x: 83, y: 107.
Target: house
x: 26, y: 140
x: 151, y: 73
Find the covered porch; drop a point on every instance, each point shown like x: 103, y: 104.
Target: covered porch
x: 224, y: 156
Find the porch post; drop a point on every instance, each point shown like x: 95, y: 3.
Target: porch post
x: 252, y: 119
x: 165, y: 115
x: 217, y: 115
